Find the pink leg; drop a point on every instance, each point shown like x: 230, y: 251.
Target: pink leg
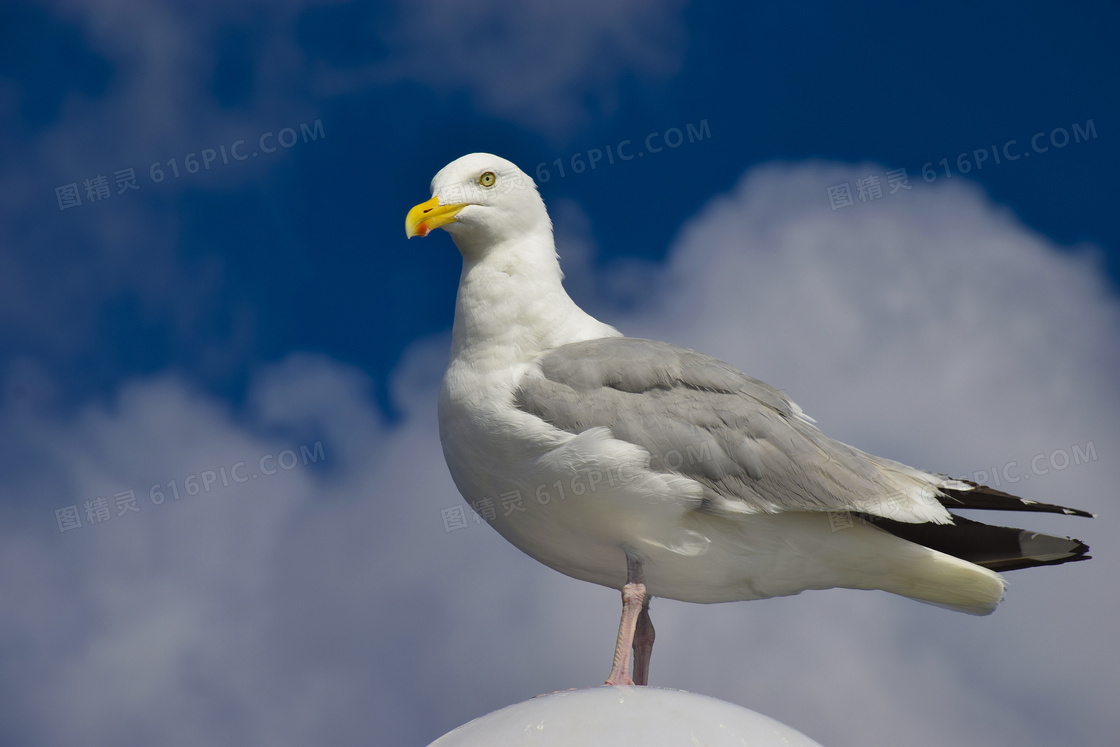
x: 643, y: 645
x: 633, y: 601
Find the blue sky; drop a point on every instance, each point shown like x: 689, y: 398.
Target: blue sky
x: 203, y: 264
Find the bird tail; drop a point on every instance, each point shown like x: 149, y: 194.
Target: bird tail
x: 966, y: 556
x: 945, y: 581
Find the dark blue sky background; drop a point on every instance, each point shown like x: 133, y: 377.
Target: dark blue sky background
x: 307, y: 252
x: 247, y: 288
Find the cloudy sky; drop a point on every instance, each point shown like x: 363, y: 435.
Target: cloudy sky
x: 224, y: 513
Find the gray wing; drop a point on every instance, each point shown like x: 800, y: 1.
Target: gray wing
x: 751, y: 448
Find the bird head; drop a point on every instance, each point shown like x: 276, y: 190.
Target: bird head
x: 481, y: 200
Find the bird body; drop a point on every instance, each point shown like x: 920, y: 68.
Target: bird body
x: 660, y: 471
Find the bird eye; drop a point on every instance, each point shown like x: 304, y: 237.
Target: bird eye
x: 487, y: 179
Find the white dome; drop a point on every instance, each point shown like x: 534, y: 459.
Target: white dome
x: 623, y: 716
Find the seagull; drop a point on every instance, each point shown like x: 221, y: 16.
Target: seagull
x: 660, y: 471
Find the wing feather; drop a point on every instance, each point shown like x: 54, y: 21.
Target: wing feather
x: 751, y: 448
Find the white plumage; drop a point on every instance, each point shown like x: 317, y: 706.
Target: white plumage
x: 658, y: 470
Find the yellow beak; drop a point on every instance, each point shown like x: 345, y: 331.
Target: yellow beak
x: 428, y: 216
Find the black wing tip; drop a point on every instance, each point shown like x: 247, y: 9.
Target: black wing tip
x: 996, y: 548
x: 1072, y: 511
x: 1024, y: 563
x: 1078, y: 552
x: 983, y: 497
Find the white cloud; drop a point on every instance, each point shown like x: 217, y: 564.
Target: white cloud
x: 546, y: 66
x: 327, y: 603
x: 933, y: 328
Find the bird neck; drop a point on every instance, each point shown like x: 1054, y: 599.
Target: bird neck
x: 512, y: 306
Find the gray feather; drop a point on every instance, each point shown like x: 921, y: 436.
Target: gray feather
x: 699, y: 417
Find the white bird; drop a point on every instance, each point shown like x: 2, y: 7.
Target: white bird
x: 661, y: 471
